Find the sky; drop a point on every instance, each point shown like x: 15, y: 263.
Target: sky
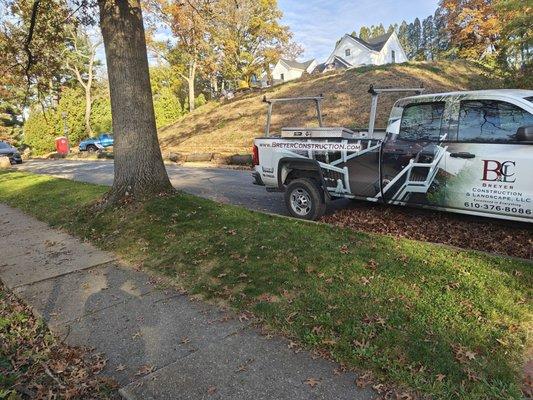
x: 318, y: 24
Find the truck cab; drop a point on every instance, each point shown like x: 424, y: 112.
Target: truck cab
x: 98, y: 143
x: 467, y: 152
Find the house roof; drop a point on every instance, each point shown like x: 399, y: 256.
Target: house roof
x: 342, y: 61
x: 375, y: 43
x: 298, y: 65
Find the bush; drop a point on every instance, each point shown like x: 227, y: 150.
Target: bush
x: 71, y: 113
x: 167, y: 107
x: 40, y: 132
x: 200, y: 100
x: 41, y: 129
x: 101, y: 120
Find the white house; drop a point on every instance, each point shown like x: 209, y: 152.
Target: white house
x: 287, y: 70
x: 352, y: 51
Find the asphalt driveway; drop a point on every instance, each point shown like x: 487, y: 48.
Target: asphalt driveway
x: 222, y: 185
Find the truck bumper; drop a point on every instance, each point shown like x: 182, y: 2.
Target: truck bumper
x: 257, y: 179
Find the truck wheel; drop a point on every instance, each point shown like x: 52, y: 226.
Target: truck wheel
x: 92, y: 148
x: 304, y: 199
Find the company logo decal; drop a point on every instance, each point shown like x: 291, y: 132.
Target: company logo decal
x: 496, y: 171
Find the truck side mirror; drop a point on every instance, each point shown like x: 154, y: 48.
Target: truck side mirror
x: 525, y: 134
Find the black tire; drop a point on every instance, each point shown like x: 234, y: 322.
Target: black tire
x: 92, y: 148
x: 305, y: 199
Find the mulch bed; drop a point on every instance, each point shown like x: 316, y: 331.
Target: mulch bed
x: 486, y: 234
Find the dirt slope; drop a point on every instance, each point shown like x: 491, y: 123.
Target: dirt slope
x: 229, y: 128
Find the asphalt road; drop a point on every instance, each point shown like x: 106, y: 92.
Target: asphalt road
x: 222, y: 185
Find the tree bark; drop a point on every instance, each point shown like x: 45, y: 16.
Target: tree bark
x: 190, y: 81
x: 88, y: 106
x: 139, y: 169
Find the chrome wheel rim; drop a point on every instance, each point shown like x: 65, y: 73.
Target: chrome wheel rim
x: 301, y: 202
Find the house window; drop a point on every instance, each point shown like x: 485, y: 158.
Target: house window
x: 282, y: 77
x: 348, y: 52
x: 393, y: 56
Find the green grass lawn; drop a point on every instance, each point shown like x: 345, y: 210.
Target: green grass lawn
x: 444, y: 322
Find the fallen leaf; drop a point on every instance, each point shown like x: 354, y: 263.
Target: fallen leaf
x: 312, y: 382
x: 120, y: 367
x: 364, y: 380
x: 329, y: 342
x: 440, y: 377
x: 145, y: 370
x: 371, y: 264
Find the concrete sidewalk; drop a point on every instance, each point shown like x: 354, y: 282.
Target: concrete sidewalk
x: 159, y: 344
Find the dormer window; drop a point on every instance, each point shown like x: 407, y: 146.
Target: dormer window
x: 348, y: 52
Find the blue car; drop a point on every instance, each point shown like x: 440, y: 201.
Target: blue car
x: 98, y: 143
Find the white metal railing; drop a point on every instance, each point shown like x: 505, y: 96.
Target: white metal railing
x: 410, y: 186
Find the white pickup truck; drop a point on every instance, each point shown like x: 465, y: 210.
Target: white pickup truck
x: 466, y: 152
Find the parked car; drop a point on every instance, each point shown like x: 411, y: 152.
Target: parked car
x: 11, y: 152
x: 96, y: 144
x: 466, y: 152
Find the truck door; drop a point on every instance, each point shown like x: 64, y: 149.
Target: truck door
x: 105, y: 140
x: 490, y: 165
x: 412, y: 161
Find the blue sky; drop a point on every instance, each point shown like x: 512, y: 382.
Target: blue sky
x: 318, y: 24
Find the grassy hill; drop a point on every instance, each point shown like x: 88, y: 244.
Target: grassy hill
x: 230, y: 127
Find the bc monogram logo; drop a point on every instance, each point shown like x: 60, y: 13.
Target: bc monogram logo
x: 496, y: 171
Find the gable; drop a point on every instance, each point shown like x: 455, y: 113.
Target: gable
x: 347, y: 42
x: 393, y: 43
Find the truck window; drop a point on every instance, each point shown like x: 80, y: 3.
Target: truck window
x: 422, y: 122
x: 490, y: 121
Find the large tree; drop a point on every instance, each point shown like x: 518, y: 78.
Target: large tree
x: 474, y: 27
x: 250, y: 35
x: 516, y: 18
x: 139, y: 168
x: 80, y: 58
x: 189, y: 21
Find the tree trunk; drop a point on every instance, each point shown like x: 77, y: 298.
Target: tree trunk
x: 139, y: 168
x: 88, y: 97
x: 88, y: 106
x: 190, y: 81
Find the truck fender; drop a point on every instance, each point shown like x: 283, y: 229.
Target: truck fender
x: 288, y: 164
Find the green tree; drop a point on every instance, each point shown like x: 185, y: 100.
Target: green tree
x: 516, y: 18
x: 250, y: 36
x: 441, y: 40
x: 80, y: 59
x: 427, y: 39
x: 364, y: 33
x: 191, y: 23
x: 40, y: 132
x: 167, y: 107
x: 415, y: 34
x: 403, y: 36
x: 101, y: 118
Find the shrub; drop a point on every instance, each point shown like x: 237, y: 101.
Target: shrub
x: 101, y: 120
x: 40, y: 132
x: 200, y: 100
x: 167, y: 107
